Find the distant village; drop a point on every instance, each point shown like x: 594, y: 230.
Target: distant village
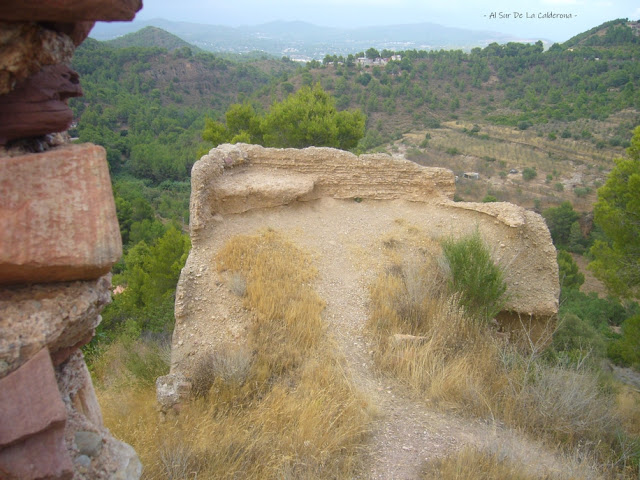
x: 365, y: 61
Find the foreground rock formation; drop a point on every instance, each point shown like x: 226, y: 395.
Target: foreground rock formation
x: 59, y: 238
x: 335, y: 203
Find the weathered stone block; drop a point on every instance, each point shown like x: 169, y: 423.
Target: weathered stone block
x: 43, y: 456
x: 69, y: 10
x: 57, y: 216
x: 57, y: 316
x: 30, y: 401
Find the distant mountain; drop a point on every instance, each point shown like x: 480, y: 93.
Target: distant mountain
x: 305, y: 41
x: 151, y: 37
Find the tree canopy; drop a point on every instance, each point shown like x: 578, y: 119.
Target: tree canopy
x: 617, y: 212
x: 306, y: 118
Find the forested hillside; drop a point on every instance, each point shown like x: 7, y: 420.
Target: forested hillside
x: 147, y: 106
x: 515, y: 84
x: 541, y: 128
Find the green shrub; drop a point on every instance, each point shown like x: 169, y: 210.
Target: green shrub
x: 626, y: 349
x: 581, y: 191
x: 599, y: 312
x: 474, y: 276
x: 578, y: 338
x: 559, y: 220
x: 529, y: 173
x: 452, y: 151
x: 147, y: 360
x: 489, y: 199
x: 570, y: 276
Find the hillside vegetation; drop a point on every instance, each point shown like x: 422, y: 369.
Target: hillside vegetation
x: 541, y: 129
x: 151, y: 36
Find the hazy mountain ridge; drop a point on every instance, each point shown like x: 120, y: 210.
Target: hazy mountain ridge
x: 150, y: 37
x: 303, y: 40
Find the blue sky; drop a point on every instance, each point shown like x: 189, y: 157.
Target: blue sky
x: 455, y: 13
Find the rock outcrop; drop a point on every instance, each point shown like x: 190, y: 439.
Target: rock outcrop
x: 59, y: 238
x: 38, y: 104
x: 331, y: 201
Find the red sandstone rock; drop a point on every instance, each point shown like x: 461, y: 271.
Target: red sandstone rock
x: 43, y: 456
x: 78, y: 32
x: 68, y: 10
x: 38, y: 105
x: 57, y: 216
x: 30, y: 401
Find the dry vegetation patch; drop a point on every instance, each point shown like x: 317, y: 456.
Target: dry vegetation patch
x: 284, y: 407
x: 456, y: 359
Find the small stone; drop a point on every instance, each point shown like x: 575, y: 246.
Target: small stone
x: 82, y: 461
x: 129, y: 466
x: 88, y: 443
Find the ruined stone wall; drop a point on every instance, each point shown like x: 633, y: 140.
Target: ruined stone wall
x: 334, y: 204
x: 59, y: 238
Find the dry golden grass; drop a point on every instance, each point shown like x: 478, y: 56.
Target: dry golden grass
x: 281, y: 408
x: 473, y: 464
x: 461, y: 363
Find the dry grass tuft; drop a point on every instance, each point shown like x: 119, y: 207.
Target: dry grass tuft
x: 472, y: 464
x: 281, y: 408
x: 229, y: 365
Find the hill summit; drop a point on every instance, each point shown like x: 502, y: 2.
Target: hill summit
x: 150, y: 37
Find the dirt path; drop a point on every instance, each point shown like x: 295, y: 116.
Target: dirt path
x: 408, y: 433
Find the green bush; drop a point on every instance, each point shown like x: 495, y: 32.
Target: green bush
x: 489, y: 199
x: 474, y: 276
x: 599, y: 312
x: 529, y: 173
x: 559, y: 220
x: 570, y: 276
x: 626, y: 349
x: 577, y: 337
x: 581, y: 191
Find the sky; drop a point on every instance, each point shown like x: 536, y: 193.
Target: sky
x: 521, y: 18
